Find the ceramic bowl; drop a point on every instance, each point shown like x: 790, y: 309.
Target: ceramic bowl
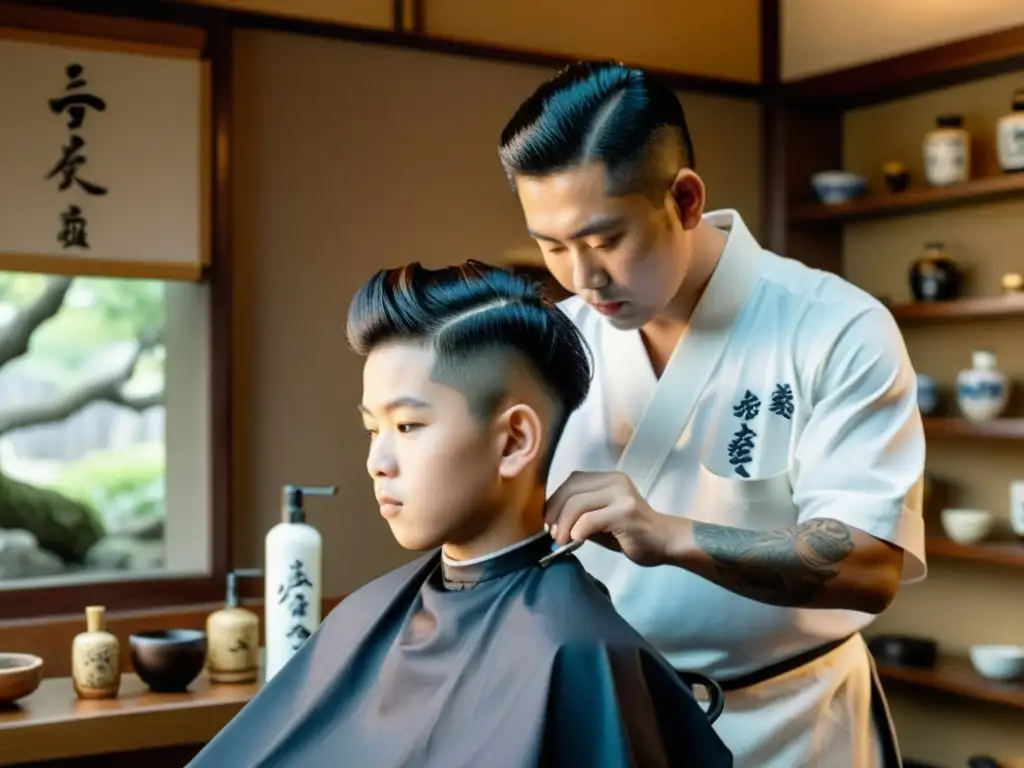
x: 168, y: 660
x: 998, y: 662
x: 967, y: 526
x: 836, y: 187
x: 20, y: 675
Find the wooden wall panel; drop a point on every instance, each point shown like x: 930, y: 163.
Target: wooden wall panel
x: 714, y: 39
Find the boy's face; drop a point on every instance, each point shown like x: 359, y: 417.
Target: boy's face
x: 435, y: 467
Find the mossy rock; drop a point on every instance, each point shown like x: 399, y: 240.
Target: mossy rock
x: 63, y: 526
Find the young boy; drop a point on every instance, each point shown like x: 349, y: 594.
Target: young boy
x: 473, y: 655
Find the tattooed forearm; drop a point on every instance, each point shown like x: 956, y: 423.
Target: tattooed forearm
x: 790, y: 567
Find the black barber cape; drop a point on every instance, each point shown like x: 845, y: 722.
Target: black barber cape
x: 502, y: 664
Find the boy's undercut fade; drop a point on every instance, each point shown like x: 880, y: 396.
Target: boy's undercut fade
x: 479, y: 320
x: 625, y: 118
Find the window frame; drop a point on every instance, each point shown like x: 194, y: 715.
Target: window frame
x: 213, y: 40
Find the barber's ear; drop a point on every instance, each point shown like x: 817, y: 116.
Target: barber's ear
x: 522, y: 440
x: 688, y: 197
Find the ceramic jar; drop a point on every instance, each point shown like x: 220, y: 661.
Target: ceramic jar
x: 233, y: 650
x: 1010, y: 136
x: 982, y: 391
x: 927, y: 394
x: 947, y: 152
x: 1017, y: 507
x: 96, y: 658
x: 935, y: 276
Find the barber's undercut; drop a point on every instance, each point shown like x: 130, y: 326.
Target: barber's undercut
x: 479, y: 320
x: 625, y: 118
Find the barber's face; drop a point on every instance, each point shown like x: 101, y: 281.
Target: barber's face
x: 624, y: 255
x: 435, y: 468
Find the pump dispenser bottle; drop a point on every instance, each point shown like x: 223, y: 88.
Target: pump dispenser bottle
x: 233, y: 636
x: 292, y: 582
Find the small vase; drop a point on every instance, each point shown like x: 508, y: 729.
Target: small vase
x: 96, y: 658
x: 1010, y: 136
x: 935, y: 276
x: 927, y: 394
x: 982, y: 391
x: 947, y: 152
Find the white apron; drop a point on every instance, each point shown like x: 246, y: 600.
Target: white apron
x: 718, y: 439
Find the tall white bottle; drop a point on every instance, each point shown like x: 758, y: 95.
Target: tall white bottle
x: 293, y: 570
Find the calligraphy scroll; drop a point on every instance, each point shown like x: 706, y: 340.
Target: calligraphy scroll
x: 104, y: 160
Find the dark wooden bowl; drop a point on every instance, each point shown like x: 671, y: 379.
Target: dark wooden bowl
x: 168, y: 660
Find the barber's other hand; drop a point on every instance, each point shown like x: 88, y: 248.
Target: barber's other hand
x: 606, y: 508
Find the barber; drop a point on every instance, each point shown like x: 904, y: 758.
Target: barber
x: 746, y: 473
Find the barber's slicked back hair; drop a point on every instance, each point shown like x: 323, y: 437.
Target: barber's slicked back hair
x: 601, y: 111
x: 470, y: 310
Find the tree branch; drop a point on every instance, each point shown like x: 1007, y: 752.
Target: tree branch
x: 107, y: 387
x: 17, y: 334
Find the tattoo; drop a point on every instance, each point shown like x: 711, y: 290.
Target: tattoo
x: 790, y: 567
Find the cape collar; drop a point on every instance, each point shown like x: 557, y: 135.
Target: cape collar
x: 466, y: 574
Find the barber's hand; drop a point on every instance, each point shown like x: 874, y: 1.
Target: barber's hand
x: 606, y: 508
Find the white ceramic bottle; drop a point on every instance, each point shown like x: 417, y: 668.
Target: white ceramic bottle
x: 1010, y: 135
x: 1017, y: 507
x: 982, y: 391
x: 293, y: 570
x: 947, y: 152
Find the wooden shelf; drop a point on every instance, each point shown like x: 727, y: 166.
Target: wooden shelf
x: 939, y: 66
x: 998, y: 429
x: 913, y: 200
x: 1005, y: 553
x: 53, y: 723
x: 1010, y: 305
x: 956, y: 675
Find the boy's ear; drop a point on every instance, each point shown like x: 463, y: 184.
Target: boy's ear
x: 522, y: 436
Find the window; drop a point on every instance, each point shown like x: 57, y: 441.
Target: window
x: 104, y: 429
x: 115, y: 305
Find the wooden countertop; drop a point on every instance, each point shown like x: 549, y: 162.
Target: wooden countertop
x: 54, y: 723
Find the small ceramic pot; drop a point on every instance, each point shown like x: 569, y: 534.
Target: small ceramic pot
x: 927, y: 394
x: 982, y: 391
x: 168, y: 660
x: 935, y: 276
x: 897, y: 178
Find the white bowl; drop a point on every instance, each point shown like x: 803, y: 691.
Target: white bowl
x: 836, y: 187
x: 967, y: 526
x: 998, y: 662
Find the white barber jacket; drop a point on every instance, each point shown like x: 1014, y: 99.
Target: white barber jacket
x: 811, y: 411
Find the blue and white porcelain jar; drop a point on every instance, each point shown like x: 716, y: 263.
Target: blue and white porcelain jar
x: 927, y: 394
x: 982, y: 391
